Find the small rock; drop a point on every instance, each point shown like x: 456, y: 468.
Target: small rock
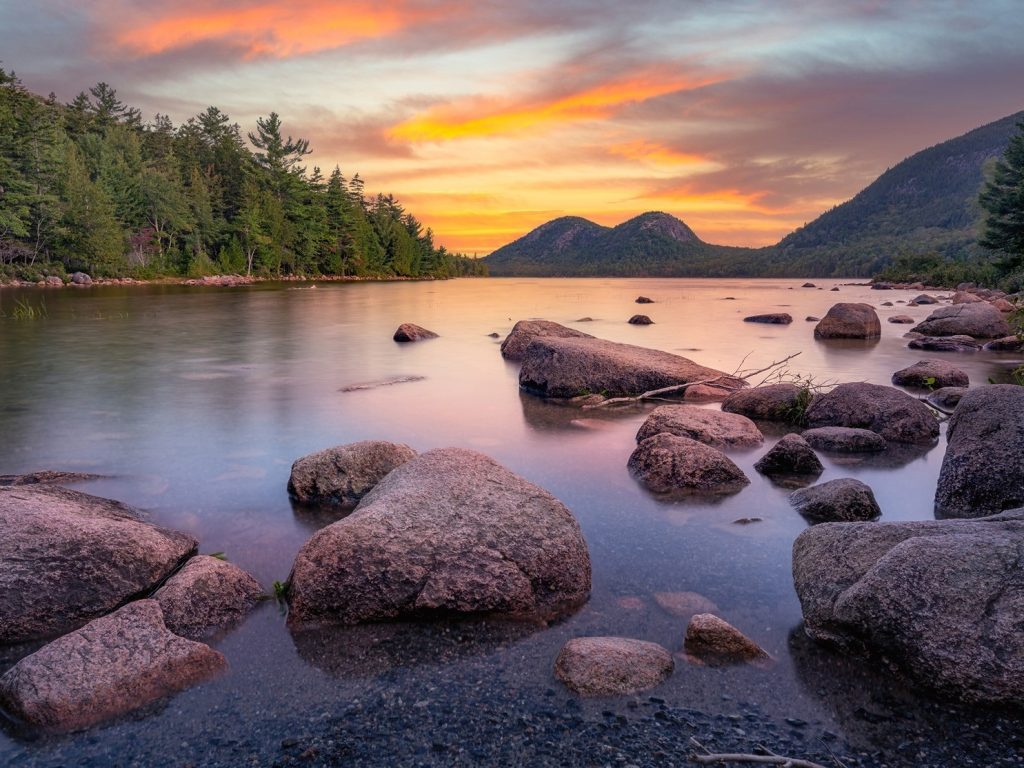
x: 612, y: 666
x: 706, y: 393
x: 775, y: 318
x: 714, y: 428
x: 640, y: 320
x: 342, y: 475
x: 834, y: 289
x: 1005, y: 344
x: 887, y: 304
x: 813, y: 318
x: 1003, y: 305
x: 924, y: 298
x: 808, y: 285
x: 930, y: 373
x: 901, y: 319
x: 790, y: 456
x: 672, y: 465
x: 838, y: 501
x: 206, y: 595
x: 958, y: 343
x: 410, y: 332
x: 80, y: 278
x: 644, y: 300
x: 715, y: 642
x: 963, y: 297
x: 844, y: 440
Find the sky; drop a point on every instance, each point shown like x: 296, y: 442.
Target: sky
x: 487, y: 118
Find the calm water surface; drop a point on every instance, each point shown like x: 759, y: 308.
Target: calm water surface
x: 195, y: 402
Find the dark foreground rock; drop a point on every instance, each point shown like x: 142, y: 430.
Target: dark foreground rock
x: 344, y: 474
x: 790, y: 456
x: 901, y: 319
x: 640, y: 320
x: 931, y: 374
x: 837, y: 501
x: 109, y: 667
x: 771, y: 402
x: 890, y: 412
x: 1006, y: 344
x: 612, y: 666
x: 774, y: 318
x: 844, y: 440
x: 943, y: 599
x: 411, y: 332
x: 644, y: 300
x: 983, y: 469
x: 566, y: 368
x: 206, y: 595
x: 980, y: 321
x: 715, y: 642
x: 67, y: 557
x: 958, y: 343
x: 451, y: 531
x: 714, y: 428
x: 678, y: 466
x: 849, y: 321
x: 515, y: 344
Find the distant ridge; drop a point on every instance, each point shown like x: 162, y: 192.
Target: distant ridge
x: 926, y: 203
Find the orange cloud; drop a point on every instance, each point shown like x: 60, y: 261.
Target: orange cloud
x: 657, y: 154
x: 480, y: 117
x: 265, y: 28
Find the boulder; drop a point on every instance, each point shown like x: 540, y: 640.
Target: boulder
x: 206, y: 595
x: 1003, y: 305
x: 887, y: 304
x: 844, y: 440
x: 449, y: 532
x: 769, y: 402
x: 1005, y: 344
x: 715, y: 428
x: 958, y: 343
x: 808, y: 285
x: 342, y: 475
x: 790, y: 456
x: 706, y: 393
x: 963, y: 297
x: 566, y: 368
x: 774, y: 318
x: 931, y: 373
x: 67, y: 558
x: 644, y: 300
x: 890, y: 412
x: 612, y: 666
x: 683, y: 605
x: 838, y: 501
x: 515, y: 344
x: 640, y: 320
x: 946, y: 398
x: 111, y: 666
x: 942, y: 599
x: 813, y: 318
x: 979, y: 321
x: 678, y: 466
x: 924, y: 298
x: 80, y: 278
x: 410, y: 332
x: 47, y: 477
x: 54, y: 282
x: 849, y: 321
x: 983, y: 469
x: 901, y: 319
x: 715, y: 642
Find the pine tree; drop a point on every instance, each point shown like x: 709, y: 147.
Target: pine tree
x: 1003, y: 200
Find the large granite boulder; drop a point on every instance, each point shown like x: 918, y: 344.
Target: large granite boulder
x: 342, y: 475
x: 111, y: 666
x: 207, y: 594
x: 838, y: 501
x: 612, y: 666
x: 769, y: 402
x: 890, y: 412
x: 929, y: 374
x: 411, y: 332
x: 566, y: 368
x: 980, y: 321
x: 942, y: 599
x: 515, y: 344
x: 678, y: 466
x: 790, y: 456
x: 849, y: 321
x: 983, y: 469
x: 714, y: 642
x: 451, y: 531
x: 844, y: 440
x: 714, y: 428
x: 67, y: 557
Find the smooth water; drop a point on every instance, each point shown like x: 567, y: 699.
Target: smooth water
x: 193, y: 402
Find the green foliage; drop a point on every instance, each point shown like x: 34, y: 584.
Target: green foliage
x: 89, y: 186
x: 280, y: 590
x: 1002, y: 198
x: 23, y: 310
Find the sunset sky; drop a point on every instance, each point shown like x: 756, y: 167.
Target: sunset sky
x: 745, y: 119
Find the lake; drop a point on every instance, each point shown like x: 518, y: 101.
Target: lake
x: 194, y: 402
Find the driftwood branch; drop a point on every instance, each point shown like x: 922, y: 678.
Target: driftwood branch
x: 737, y: 374
x: 770, y: 758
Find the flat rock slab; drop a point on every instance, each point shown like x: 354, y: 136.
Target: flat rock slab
x: 942, y: 599
x: 68, y: 557
x: 849, y: 321
x: 612, y: 666
x: 771, y: 402
x: 675, y: 466
x: 837, y: 501
x: 714, y: 642
x: 451, y: 531
x: 515, y: 344
x: 844, y: 440
x: 410, y: 332
x: 111, y: 666
x: 888, y: 411
x: 926, y: 374
x: 773, y: 318
x: 958, y: 343
x: 565, y: 368
x: 980, y: 321
x: 983, y: 469
x: 792, y: 455
x: 46, y: 477
x: 342, y: 475
x: 206, y: 595
x: 714, y: 428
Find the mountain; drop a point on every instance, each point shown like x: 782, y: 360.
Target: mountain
x: 925, y: 204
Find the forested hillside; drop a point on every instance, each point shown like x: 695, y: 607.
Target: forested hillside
x: 90, y: 185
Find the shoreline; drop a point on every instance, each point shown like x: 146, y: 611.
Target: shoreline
x: 221, y: 281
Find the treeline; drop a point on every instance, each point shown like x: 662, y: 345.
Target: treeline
x: 90, y: 186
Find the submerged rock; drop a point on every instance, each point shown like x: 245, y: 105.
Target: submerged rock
x: 714, y: 428
x: 565, y: 368
x: 790, y: 456
x: 640, y: 320
x: 844, y: 440
x: 924, y: 298
x: 515, y: 344
x: 983, y: 469
x: 980, y: 321
x: 67, y: 557
x: 411, y: 332
x: 770, y: 402
x: 931, y: 373
x: 612, y: 666
x: 206, y: 595
x: 849, y: 321
x: 715, y: 642
x: 344, y: 474
x: 837, y: 501
x: 775, y: 318
x: 451, y: 531
x: 957, y: 343
x: 109, y: 667
x: 942, y: 599
x: 706, y: 393
x: 890, y: 412
x: 678, y: 466
x: 683, y: 605
x: 946, y: 398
